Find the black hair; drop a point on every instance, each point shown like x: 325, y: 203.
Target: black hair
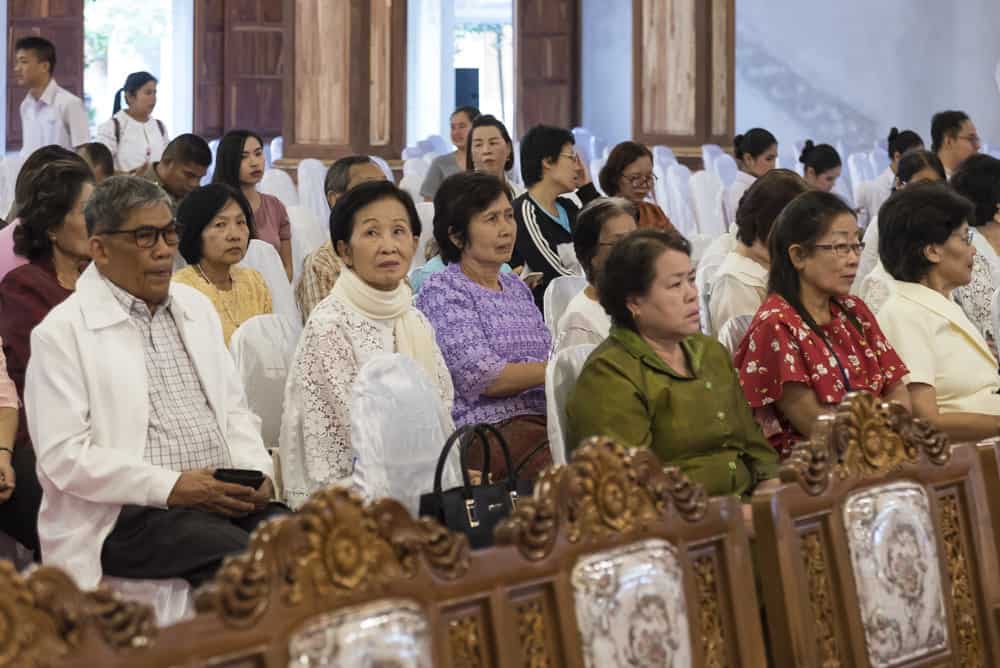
x: 53, y: 191
x: 755, y: 141
x: 461, y: 197
x: 589, y: 223
x: 338, y: 177
x: 901, y: 142
x: 820, y: 157
x: 915, y: 161
x: 802, y: 222
x: 198, y: 209
x: 229, y: 156
x: 540, y: 143
x: 187, y: 149
x: 763, y: 202
x: 133, y: 83
x: 978, y: 180
x: 946, y: 124
x: 468, y: 110
x: 24, y: 183
x: 44, y: 50
x: 97, y: 155
x: 914, y: 218
x: 621, y: 156
x: 488, y: 120
x: 355, y: 199
x: 630, y: 270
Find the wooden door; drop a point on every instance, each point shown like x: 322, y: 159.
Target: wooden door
x: 239, y: 66
x: 547, y: 62
x: 59, y: 21
x: 254, y: 66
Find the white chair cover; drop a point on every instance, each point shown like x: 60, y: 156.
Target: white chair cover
x: 678, y: 199
x: 398, y: 427
x: 663, y: 155
x: 411, y: 152
x: 415, y: 166
x: 560, y: 376
x: 733, y: 331
x: 311, y: 175
x: 277, y: 182
x: 707, y: 265
x: 171, y: 599
x: 557, y: 296
x: 595, y: 169
x: 726, y: 169
x: 264, y: 258
x: 706, y: 197
x: 411, y: 184
x: 213, y: 146
x: 597, y: 148
x: 425, y: 210
x: 582, y: 137
x: 262, y: 348
x: 439, y: 145
x: 709, y: 152
x: 277, y: 148
x: 859, y: 168
x: 308, y: 234
x: 384, y: 166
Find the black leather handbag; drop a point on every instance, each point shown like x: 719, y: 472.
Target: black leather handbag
x: 474, y: 509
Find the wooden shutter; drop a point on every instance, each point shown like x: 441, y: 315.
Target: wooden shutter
x: 547, y: 62
x: 239, y: 66
x: 682, y: 72
x: 59, y: 21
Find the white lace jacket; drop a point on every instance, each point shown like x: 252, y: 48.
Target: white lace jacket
x: 316, y: 449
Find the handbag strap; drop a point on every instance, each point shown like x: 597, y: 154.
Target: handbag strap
x: 463, y: 452
x: 486, y: 427
x: 439, y: 471
x: 538, y: 448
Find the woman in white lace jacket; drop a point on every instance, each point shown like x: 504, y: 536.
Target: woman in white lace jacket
x: 374, y: 229
x: 978, y: 180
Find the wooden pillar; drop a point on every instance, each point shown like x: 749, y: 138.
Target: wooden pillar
x: 346, y: 87
x: 683, y: 55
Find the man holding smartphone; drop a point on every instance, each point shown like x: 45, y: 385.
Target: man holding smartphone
x: 151, y: 465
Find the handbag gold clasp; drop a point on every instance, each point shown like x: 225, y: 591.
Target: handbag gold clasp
x: 513, y: 500
x: 470, y: 511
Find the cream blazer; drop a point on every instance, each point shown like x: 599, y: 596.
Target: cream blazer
x: 941, y: 348
x: 87, y: 404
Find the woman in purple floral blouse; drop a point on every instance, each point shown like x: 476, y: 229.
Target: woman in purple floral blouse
x: 488, y: 328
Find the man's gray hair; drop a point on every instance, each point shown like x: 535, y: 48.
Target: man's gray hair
x: 116, y: 197
x: 338, y: 177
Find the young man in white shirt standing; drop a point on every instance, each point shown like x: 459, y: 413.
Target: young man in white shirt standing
x: 50, y: 114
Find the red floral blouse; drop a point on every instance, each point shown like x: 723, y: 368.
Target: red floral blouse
x: 780, y: 348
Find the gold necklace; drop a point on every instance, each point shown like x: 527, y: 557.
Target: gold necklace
x: 218, y: 292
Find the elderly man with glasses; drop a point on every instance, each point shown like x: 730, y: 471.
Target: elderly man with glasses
x: 134, y: 405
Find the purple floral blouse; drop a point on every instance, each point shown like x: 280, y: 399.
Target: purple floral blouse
x: 479, y: 332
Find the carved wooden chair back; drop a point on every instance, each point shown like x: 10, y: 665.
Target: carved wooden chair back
x: 614, y: 557
x: 876, y: 549
x: 989, y: 460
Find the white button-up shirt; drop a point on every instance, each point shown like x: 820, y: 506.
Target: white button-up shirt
x: 57, y: 117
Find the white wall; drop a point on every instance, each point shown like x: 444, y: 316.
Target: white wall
x: 606, y: 69
x: 178, y: 67
x: 850, y: 70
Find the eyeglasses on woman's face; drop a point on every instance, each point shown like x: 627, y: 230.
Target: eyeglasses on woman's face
x: 640, y: 180
x: 842, y: 249
x: 966, y: 234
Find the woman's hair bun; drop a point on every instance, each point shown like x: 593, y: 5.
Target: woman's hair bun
x: 806, y: 148
x: 737, y: 140
x: 893, y: 133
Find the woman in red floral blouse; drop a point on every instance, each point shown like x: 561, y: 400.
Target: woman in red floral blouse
x: 810, y: 343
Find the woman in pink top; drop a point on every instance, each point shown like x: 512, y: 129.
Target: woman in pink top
x: 239, y: 162
x: 8, y: 428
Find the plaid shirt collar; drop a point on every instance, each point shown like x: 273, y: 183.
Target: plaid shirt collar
x: 135, y: 307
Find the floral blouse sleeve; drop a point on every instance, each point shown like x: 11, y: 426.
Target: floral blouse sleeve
x: 769, y: 357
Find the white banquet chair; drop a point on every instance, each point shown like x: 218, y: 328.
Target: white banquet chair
x: 561, y: 373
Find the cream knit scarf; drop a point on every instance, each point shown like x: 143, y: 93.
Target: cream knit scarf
x: 414, y: 335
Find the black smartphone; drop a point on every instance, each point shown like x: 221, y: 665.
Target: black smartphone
x: 245, y: 477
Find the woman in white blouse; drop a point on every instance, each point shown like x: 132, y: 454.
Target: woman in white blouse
x: 927, y: 247
x: 740, y: 283
x: 872, y: 194
x: 374, y: 228
x: 755, y: 153
x: 978, y: 179
x: 135, y: 138
x: 599, y: 226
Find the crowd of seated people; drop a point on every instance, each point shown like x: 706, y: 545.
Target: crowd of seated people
x: 121, y: 405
